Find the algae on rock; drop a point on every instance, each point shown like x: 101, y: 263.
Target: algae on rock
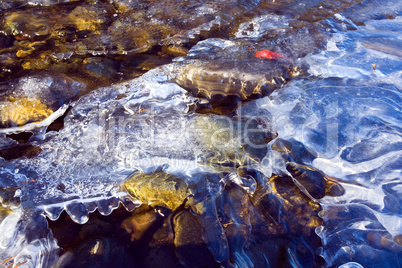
x: 158, y: 189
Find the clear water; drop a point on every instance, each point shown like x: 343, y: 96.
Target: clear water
x: 344, y: 111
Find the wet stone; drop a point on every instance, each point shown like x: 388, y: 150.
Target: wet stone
x: 270, y: 205
x: 94, y: 228
x: 65, y: 231
x: 224, y: 73
x: 158, y: 189
x: 189, y: 245
x: 291, y: 219
x: 236, y: 212
x: 294, y: 151
x: 152, y: 237
x: 51, y: 32
x: 233, y: 142
x: 142, y: 62
x: 100, y: 67
x: 50, y: 36
x: 4, y: 213
x: 300, y: 212
x: 315, y: 183
x: 34, y: 98
x: 9, y: 192
x: 9, y: 196
x: 96, y: 252
x: 159, y: 256
x: 225, y: 82
x: 156, y: 246
x: 139, y: 223
x: 69, y: 234
x: 19, y: 111
x: 176, y: 51
x: 229, y: 209
x: 398, y: 239
x: 22, y: 137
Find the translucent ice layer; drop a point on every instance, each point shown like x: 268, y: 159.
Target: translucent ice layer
x: 348, y: 120
x: 26, y: 241
x: 315, y: 165
x: 32, y: 99
x: 142, y: 125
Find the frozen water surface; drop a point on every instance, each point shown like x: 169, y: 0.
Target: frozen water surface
x: 342, y: 117
x: 349, y: 117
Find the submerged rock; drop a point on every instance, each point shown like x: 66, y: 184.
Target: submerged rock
x: 9, y: 192
x: 225, y: 221
x: 189, y: 245
x: 158, y: 189
x: 226, y: 82
x: 224, y: 73
x: 139, y: 223
x: 35, y: 98
x: 98, y: 252
x: 17, y: 112
x: 58, y: 36
x: 4, y: 212
x: 314, y: 182
x: 239, y: 189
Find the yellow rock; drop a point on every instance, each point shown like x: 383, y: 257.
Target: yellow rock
x: 35, y: 64
x: 176, y: 51
x: 19, y: 111
x: 220, y: 137
x: 28, y: 48
x: 158, y: 189
x: 85, y: 19
x: 11, y: 24
x: 4, y: 212
x: 138, y: 224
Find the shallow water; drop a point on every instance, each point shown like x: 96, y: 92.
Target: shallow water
x: 287, y: 162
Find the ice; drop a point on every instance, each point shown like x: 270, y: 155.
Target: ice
x: 351, y: 265
x: 52, y: 90
x: 342, y: 119
x: 353, y: 130
x: 38, y: 127
x: 25, y: 240
x: 261, y: 25
x: 355, y: 224
x: 350, y: 121
x: 371, y: 52
x: 18, y: 3
x: 105, y: 138
x: 33, y: 102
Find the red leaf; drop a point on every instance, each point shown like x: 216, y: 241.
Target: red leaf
x: 267, y: 54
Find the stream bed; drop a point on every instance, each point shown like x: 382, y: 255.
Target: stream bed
x: 200, y: 133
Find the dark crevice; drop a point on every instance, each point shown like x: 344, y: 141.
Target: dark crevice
x: 111, y: 234
x: 19, y: 151
x: 58, y: 124
x: 22, y: 137
x: 101, y: 226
